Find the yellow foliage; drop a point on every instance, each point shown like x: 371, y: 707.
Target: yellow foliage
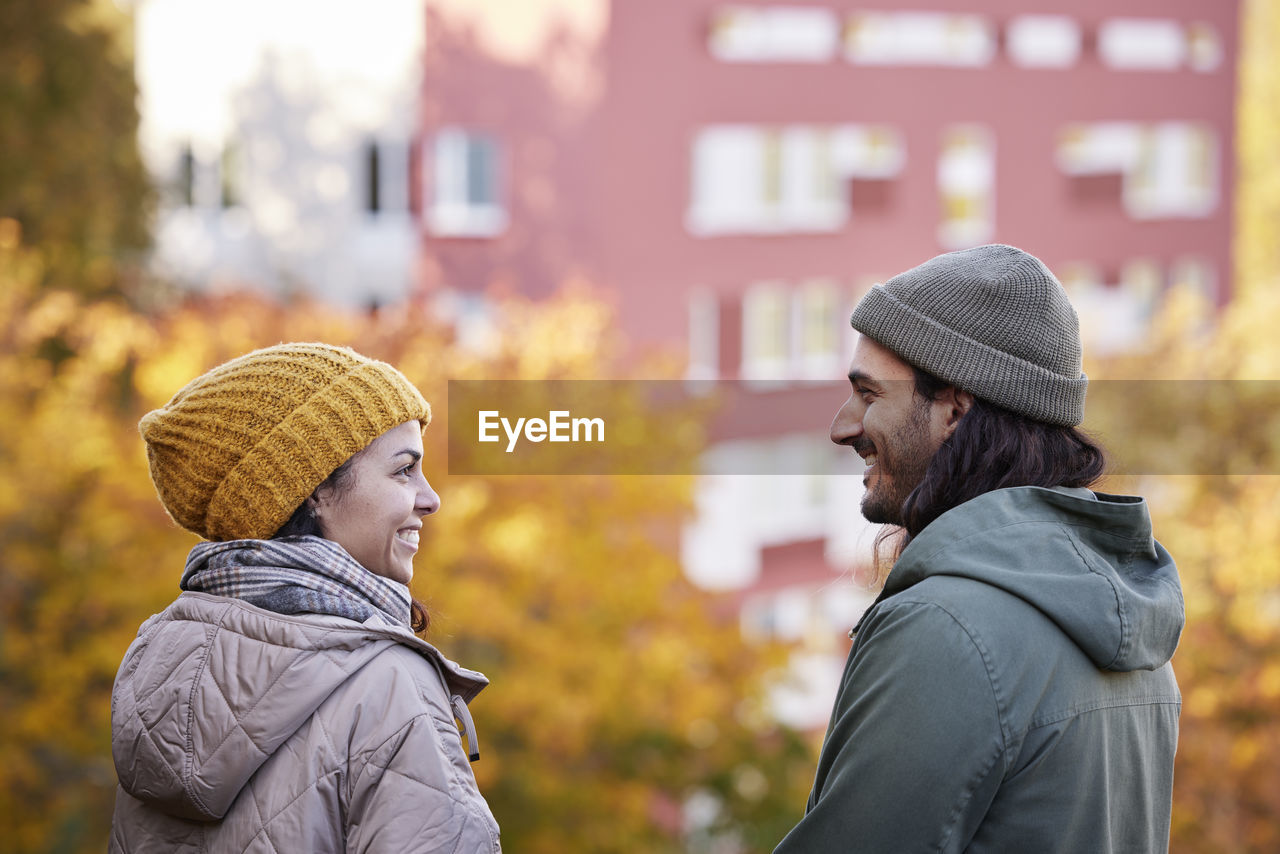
x: 1221, y: 530
x: 1258, y: 140
x: 564, y: 590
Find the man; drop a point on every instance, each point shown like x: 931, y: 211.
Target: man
x: 1010, y: 688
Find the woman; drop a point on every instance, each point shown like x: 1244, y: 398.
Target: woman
x: 283, y: 701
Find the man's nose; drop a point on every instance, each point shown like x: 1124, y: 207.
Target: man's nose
x: 847, y: 425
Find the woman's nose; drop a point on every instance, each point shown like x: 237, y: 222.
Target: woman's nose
x: 428, y: 501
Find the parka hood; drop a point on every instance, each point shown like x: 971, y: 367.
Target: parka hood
x: 1086, y: 560
x: 212, y: 687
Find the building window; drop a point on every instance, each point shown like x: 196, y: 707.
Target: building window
x: 1099, y: 148
x: 1114, y: 316
x: 1141, y: 281
x: 817, y: 329
x: 774, y: 34
x: 1169, y: 169
x: 868, y: 152
x: 766, y: 327
x: 918, y: 38
x: 1195, y: 275
x: 704, y: 336
x: 728, y: 185
x: 1079, y: 279
x: 210, y: 179
x: 1158, y: 44
x: 753, y: 179
x: 1175, y: 173
x: 1133, y: 44
x: 372, y: 178
x: 187, y: 176
x: 1204, y: 48
x: 385, y: 169
x: 1043, y: 41
x: 791, y: 332
x: 966, y: 186
x: 463, y: 185
x: 229, y: 175
x: 785, y: 615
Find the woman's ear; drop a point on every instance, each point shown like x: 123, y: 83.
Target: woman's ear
x: 318, y: 504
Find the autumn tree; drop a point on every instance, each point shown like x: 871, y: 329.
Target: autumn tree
x: 70, y: 171
x: 1215, y: 505
x: 1258, y: 140
x: 1215, y: 510
x: 1218, y: 520
x: 620, y: 694
x: 1221, y: 528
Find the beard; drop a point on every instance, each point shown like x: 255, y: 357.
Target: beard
x: 900, y: 466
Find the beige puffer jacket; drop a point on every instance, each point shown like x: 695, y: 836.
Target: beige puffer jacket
x: 240, y: 730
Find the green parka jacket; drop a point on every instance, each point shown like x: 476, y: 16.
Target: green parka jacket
x: 1010, y: 690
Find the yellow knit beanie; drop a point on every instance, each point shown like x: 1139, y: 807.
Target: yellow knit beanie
x: 238, y: 449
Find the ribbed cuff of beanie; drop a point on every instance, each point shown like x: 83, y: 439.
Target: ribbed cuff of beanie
x: 261, y: 492
x: 990, y: 374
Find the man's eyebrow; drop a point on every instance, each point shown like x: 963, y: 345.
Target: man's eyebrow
x: 859, y: 378
x: 415, y: 454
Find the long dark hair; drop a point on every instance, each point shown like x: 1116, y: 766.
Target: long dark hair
x: 303, y: 522
x: 991, y: 448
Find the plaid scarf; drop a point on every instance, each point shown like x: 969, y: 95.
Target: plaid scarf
x: 295, y: 575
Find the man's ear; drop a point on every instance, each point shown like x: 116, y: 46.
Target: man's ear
x: 955, y: 404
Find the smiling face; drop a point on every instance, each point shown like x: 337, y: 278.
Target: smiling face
x: 378, y: 517
x: 893, y: 429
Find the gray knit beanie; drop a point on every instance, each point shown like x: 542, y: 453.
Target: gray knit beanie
x: 992, y: 321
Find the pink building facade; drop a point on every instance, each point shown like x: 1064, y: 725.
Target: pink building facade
x: 736, y: 174
x: 679, y: 149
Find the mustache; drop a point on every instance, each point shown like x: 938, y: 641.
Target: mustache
x: 862, y: 445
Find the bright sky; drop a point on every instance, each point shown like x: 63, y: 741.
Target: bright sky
x: 193, y: 54
x: 515, y: 30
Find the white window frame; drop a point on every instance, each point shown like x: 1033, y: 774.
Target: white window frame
x: 766, y: 312
x: 704, y: 336
x: 1044, y: 41
x: 919, y: 39
x: 392, y: 178
x: 449, y: 208
x: 967, y: 173
x: 774, y: 34
x: 761, y: 179
x: 1170, y: 169
x: 815, y: 303
x: 1176, y: 175
x: 1142, y: 44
